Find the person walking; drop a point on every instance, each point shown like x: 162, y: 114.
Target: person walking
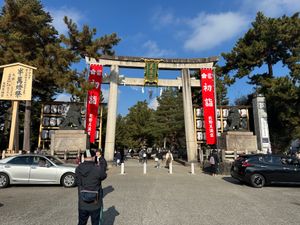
x: 158, y: 158
x: 214, y: 162
x: 169, y: 158
x: 118, y: 158
x: 89, y: 176
x: 100, y: 161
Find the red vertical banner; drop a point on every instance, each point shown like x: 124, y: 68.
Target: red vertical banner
x: 93, y: 100
x: 208, y: 102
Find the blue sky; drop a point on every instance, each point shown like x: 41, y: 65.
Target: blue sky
x: 170, y: 29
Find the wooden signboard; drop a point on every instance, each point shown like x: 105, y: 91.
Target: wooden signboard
x: 16, y: 86
x: 16, y: 82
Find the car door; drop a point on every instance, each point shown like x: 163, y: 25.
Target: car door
x: 291, y: 171
x: 18, y: 169
x: 43, y: 172
x: 297, y: 175
x: 273, y: 169
x: 282, y: 170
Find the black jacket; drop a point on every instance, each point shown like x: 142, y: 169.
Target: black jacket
x: 159, y: 155
x: 89, y: 176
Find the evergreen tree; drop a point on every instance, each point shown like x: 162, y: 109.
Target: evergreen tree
x: 168, y: 123
x: 267, y: 42
x: 28, y: 36
x: 81, y: 44
x: 137, y: 125
x: 121, y: 132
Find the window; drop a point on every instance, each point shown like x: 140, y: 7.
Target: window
x: 279, y: 160
x: 55, y: 160
x: 21, y: 160
x: 268, y: 159
x: 41, y: 161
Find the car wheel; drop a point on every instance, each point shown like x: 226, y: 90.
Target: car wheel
x: 4, y: 180
x: 68, y: 180
x: 257, y: 180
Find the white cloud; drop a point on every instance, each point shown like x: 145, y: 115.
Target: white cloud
x: 210, y: 30
x: 58, y: 17
x: 153, y: 104
x: 152, y: 50
x: 163, y: 17
x: 272, y: 8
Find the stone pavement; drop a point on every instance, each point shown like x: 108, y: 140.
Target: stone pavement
x: 157, y: 198
x: 181, y: 199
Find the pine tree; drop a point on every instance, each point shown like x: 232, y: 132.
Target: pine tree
x: 168, y: 123
x: 137, y: 125
x: 28, y: 36
x: 267, y: 42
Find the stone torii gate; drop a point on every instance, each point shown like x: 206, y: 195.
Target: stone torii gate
x: 116, y: 62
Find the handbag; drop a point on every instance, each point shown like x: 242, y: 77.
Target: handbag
x: 89, y: 196
x: 156, y: 159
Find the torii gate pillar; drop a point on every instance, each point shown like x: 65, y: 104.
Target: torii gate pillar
x: 109, y: 148
x: 191, y: 145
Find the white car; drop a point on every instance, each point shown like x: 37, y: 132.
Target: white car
x: 36, y: 169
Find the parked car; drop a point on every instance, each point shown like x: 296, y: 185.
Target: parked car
x: 259, y: 170
x: 36, y: 169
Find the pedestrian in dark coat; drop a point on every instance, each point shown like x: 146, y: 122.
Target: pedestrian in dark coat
x: 89, y: 176
x: 214, y: 163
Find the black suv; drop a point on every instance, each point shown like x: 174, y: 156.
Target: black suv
x: 260, y: 169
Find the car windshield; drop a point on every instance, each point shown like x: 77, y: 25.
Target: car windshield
x: 55, y: 160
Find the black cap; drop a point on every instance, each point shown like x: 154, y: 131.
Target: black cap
x: 89, y: 153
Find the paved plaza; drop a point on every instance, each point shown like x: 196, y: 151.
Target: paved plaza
x: 157, y: 198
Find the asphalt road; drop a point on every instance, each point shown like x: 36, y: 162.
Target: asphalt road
x: 157, y: 198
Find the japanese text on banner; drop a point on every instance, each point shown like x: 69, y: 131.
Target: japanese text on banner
x: 93, y: 100
x: 208, y: 101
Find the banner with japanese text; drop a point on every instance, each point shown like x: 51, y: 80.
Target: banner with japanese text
x: 208, y: 102
x: 93, y: 100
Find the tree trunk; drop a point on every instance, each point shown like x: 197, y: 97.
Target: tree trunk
x: 26, y: 139
x: 270, y: 68
x: 165, y: 142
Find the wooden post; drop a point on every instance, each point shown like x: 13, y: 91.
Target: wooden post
x: 41, y: 128
x: 27, y: 122
x: 13, y: 126
x: 16, y: 146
